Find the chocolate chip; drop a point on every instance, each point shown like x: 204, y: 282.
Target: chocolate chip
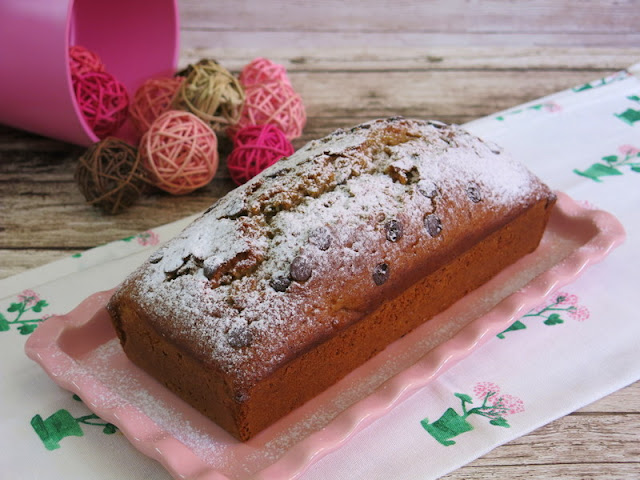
x: 239, y: 336
x: 380, y: 273
x: 300, y: 269
x: 156, y: 256
x: 473, y: 192
x: 433, y: 224
x: 320, y: 237
x: 394, y: 230
x: 280, y: 284
x: 428, y: 189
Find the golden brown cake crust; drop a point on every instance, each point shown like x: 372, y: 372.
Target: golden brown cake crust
x: 240, y: 307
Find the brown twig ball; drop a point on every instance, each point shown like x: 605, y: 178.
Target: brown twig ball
x: 110, y: 176
x: 211, y: 93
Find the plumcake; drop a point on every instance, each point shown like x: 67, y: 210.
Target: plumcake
x: 294, y: 279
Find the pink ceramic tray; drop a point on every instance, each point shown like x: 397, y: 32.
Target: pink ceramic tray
x: 81, y: 353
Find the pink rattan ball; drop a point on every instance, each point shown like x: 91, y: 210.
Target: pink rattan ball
x: 262, y: 70
x: 103, y: 100
x: 180, y: 152
x: 83, y: 60
x: 275, y: 103
x: 256, y: 147
x: 152, y: 99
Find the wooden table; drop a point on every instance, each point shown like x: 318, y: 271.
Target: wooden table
x: 434, y: 60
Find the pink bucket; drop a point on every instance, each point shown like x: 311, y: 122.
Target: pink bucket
x: 136, y: 39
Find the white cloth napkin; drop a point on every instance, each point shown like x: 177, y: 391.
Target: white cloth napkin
x: 584, y: 141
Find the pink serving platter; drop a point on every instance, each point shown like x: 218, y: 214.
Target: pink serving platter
x: 81, y: 353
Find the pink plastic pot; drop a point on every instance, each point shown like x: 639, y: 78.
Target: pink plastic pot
x: 136, y: 39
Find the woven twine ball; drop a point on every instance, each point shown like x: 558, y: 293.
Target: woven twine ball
x: 188, y: 69
x: 180, y: 152
x: 110, y: 175
x: 262, y: 70
x: 212, y: 93
x: 83, y: 60
x: 256, y: 147
x: 152, y: 99
x: 103, y: 100
x: 275, y: 103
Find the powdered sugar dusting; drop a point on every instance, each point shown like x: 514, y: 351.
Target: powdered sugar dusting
x: 229, y: 274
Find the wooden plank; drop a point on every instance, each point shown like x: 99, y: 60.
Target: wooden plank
x: 234, y: 39
x: 426, y: 94
x: 558, y: 471
x: 356, y: 59
x: 283, y: 23
x: 450, y: 16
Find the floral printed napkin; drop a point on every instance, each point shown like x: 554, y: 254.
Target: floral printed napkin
x: 584, y: 141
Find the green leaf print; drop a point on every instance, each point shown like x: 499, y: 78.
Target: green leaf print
x: 464, y: 397
x: 554, y: 319
x: 597, y: 170
x: 27, y: 328
x: 14, y: 307
x: 39, y: 306
x: 500, y: 422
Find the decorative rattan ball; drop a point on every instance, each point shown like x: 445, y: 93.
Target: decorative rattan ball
x: 256, y: 147
x: 103, y: 100
x: 110, y: 175
x: 262, y: 70
x: 180, y: 152
x: 275, y: 103
x: 83, y: 60
x: 152, y: 99
x: 211, y: 93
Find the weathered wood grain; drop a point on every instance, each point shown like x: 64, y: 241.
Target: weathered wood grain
x: 352, y: 58
x: 282, y: 23
x: 556, y: 470
x: 536, y: 16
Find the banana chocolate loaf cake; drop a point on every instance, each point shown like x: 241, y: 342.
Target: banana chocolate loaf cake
x: 294, y: 279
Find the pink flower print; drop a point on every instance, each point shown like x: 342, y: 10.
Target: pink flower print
x: 509, y: 404
x: 29, y: 298
x: 628, y: 150
x: 482, y: 389
x: 148, y: 238
x: 580, y: 313
x: 563, y: 298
